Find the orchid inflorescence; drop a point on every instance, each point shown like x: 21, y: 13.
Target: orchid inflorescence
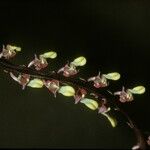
x: 80, y: 94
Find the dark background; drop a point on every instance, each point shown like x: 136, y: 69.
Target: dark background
x: 112, y: 35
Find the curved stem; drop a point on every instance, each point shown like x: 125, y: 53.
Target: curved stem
x: 141, y: 143
x: 104, y: 92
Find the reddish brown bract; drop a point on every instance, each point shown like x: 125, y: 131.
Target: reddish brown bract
x: 52, y: 85
x: 80, y: 94
x: 125, y: 96
x: 7, y: 53
x: 68, y: 70
x: 22, y: 79
x: 99, y: 81
x: 38, y: 63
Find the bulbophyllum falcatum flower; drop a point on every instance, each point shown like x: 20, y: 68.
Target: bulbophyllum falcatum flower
x: 89, y: 92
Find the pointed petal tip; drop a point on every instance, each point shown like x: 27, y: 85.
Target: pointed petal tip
x: 112, y: 120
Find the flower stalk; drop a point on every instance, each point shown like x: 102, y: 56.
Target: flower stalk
x: 93, y: 92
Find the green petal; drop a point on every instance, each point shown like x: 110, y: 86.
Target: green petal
x: 112, y: 76
x: 12, y: 47
x: 18, y: 49
x: 90, y: 103
x: 36, y: 83
x: 112, y: 120
x: 50, y: 54
x: 67, y: 91
x: 80, y: 61
x: 138, y: 90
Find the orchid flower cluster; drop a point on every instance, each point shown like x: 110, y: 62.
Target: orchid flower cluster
x: 70, y: 69
x: 79, y: 94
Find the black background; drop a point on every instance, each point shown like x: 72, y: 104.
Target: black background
x: 112, y: 35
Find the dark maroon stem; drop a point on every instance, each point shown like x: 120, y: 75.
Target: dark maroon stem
x: 141, y: 142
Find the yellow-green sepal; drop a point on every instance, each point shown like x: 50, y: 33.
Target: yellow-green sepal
x: 35, y: 83
x: 111, y: 119
x: 80, y: 61
x: 50, y: 54
x: 138, y: 90
x: 67, y: 91
x: 112, y: 76
x: 13, y: 47
x: 90, y: 103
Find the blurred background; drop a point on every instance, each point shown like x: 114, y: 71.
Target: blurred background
x: 112, y: 35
